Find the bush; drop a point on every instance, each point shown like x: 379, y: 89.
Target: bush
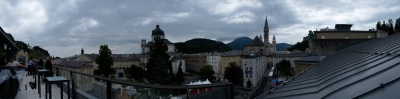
x: 112, y: 76
x: 128, y: 76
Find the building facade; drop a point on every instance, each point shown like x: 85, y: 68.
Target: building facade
x: 290, y: 57
x: 194, y: 61
x: 225, y: 60
x: 158, y: 32
x: 214, y: 61
x: 304, y: 63
x: 327, y: 40
x: 253, y: 67
x: 259, y: 46
x: 82, y: 82
x: 125, y: 63
x: 88, y: 58
x: 172, y: 52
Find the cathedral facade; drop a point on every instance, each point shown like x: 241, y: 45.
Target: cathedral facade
x: 172, y: 52
x: 257, y: 46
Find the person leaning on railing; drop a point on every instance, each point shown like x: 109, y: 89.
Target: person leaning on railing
x: 13, y: 80
x: 13, y: 63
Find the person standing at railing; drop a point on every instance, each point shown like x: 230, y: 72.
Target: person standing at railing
x: 49, y: 66
x: 30, y: 66
x: 40, y: 62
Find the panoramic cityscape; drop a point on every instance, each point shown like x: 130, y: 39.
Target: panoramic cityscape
x: 213, y: 49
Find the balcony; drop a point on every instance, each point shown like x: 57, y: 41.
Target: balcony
x: 86, y: 86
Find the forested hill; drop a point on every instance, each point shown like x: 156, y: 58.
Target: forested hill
x: 36, y: 51
x: 199, y: 45
x: 239, y: 43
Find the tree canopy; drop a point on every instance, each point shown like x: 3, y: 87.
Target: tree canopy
x: 158, y: 64
x: 179, y: 75
x: 104, y: 60
x: 207, y: 72
x: 389, y: 26
x: 299, y: 46
x: 136, y: 72
x: 397, y: 25
x: 284, y: 67
x: 233, y: 72
x: 199, y: 45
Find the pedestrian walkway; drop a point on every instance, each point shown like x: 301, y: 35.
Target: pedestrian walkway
x: 28, y: 93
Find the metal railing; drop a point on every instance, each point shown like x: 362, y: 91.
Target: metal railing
x: 86, y: 85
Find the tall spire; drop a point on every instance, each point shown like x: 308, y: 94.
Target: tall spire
x: 266, y: 22
x: 273, y: 38
x: 260, y: 36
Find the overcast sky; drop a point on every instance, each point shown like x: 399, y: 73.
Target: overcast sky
x: 63, y: 27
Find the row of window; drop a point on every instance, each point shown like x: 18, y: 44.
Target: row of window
x: 345, y: 37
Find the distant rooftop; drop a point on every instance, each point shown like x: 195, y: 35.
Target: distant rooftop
x: 369, y: 70
x: 343, y: 27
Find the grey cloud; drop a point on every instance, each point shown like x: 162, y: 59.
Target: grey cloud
x: 72, y: 25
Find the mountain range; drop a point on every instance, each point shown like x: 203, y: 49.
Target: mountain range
x: 239, y: 43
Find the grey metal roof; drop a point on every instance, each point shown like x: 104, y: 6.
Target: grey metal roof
x: 251, y: 56
x: 91, y: 56
x: 7, y: 40
x: 177, y: 58
x: 256, y: 42
x: 310, y: 59
x: 290, y: 55
x: 126, y: 59
x: 75, y: 64
x: 367, y: 70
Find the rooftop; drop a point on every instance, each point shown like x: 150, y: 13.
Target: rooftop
x: 366, y: 70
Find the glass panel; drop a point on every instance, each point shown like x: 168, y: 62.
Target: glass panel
x: 219, y: 92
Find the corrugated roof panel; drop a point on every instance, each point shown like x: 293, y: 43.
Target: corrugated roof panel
x: 356, y: 71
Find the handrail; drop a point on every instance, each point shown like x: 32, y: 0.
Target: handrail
x: 168, y: 87
x: 175, y: 87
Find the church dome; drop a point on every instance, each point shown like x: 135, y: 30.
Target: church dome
x: 157, y: 31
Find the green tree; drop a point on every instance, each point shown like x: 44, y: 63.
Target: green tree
x: 104, y: 60
x: 299, y: 46
x: 157, y: 53
x: 136, y: 72
x: 57, y: 57
x: 10, y: 36
x: 384, y: 26
x: 160, y: 73
x: 207, y: 72
x: 378, y: 25
x: 284, y: 67
x: 233, y: 72
x: 390, y: 27
x: 179, y: 75
x: 397, y: 26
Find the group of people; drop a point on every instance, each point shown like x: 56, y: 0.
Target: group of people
x: 31, y: 64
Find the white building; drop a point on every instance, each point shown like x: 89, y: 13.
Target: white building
x: 176, y: 62
x: 253, y: 69
x: 214, y: 61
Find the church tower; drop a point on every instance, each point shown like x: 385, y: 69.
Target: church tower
x: 82, y: 51
x: 266, y: 38
x: 273, y: 44
x: 143, y: 46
